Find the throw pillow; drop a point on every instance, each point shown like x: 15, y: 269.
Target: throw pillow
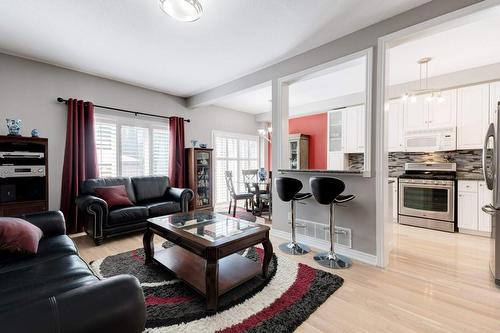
x: 18, y: 235
x: 115, y: 196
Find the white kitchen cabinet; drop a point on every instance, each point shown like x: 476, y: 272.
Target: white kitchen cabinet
x: 350, y: 135
x: 354, y: 136
x: 485, y: 197
x: 416, y: 114
x: 395, y: 198
x: 443, y: 114
x: 395, y: 125
x: 494, y: 99
x: 472, y: 196
x: 338, y: 161
x: 467, y: 210
x: 422, y: 114
x: 472, y: 116
x: 346, y: 135
x: 361, y: 128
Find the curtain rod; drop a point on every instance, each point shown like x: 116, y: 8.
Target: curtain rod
x: 65, y: 101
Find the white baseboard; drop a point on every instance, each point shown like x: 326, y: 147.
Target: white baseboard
x: 319, y: 244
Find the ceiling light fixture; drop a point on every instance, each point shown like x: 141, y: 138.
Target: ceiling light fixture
x: 432, y: 94
x: 182, y: 10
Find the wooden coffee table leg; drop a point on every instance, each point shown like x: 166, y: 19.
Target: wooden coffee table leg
x: 268, y: 254
x: 212, y: 284
x: 149, y: 247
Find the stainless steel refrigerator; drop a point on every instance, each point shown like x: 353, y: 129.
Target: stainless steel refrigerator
x: 491, y: 156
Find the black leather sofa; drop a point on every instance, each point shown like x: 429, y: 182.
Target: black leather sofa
x: 55, y: 290
x: 152, y: 196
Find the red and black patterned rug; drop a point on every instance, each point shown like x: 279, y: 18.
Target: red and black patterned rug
x: 278, y: 304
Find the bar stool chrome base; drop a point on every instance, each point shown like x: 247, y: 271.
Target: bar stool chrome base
x: 295, y: 249
x: 332, y: 260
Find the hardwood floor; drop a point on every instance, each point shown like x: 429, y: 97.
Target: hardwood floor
x: 435, y: 282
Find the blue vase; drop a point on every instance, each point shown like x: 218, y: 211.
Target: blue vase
x: 14, y: 126
x: 262, y: 174
x: 35, y: 133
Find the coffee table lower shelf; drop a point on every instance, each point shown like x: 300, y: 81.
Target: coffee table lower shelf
x: 233, y: 270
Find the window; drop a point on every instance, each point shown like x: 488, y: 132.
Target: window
x: 233, y: 152
x: 131, y: 147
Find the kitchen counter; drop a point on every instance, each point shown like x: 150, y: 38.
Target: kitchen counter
x: 470, y: 176
x: 322, y: 171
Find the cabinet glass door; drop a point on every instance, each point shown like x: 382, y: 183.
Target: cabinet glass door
x: 203, y: 178
x: 335, y: 131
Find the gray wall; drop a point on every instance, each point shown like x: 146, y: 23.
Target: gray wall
x: 362, y: 224
x: 28, y: 91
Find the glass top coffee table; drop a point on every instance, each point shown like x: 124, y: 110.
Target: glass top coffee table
x: 205, y: 255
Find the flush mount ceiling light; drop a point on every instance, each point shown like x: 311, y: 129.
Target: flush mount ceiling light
x: 182, y: 10
x: 433, y: 95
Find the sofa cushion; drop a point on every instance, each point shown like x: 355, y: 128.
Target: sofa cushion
x: 18, y: 235
x: 163, y: 208
x: 35, y: 282
x: 127, y: 215
x: 115, y: 196
x: 48, y: 249
x: 89, y: 185
x: 150, y: 187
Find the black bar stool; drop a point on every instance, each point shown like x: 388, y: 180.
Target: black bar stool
x: 327, y: 191
x: 288, y: 190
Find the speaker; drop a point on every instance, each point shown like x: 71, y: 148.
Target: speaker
x: 7, y: 193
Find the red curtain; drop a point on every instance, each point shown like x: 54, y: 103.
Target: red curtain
x: 80, y: 160
x: 176, y: 167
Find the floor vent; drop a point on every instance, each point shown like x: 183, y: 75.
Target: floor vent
x: 321, y: 231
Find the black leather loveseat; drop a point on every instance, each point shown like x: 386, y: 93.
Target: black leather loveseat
x: 152, y: 196
x: 55, y: 291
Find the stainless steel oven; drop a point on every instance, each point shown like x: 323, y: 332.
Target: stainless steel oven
x: 427, y: 202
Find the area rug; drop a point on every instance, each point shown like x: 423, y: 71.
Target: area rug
x: 280, y: 303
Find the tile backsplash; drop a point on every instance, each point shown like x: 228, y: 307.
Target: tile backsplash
x: 356, y: 161
x: 468, y: 161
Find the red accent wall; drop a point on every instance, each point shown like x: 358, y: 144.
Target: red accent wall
x: 316, y: 127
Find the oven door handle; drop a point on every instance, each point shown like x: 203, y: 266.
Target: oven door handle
x: 445, y: 187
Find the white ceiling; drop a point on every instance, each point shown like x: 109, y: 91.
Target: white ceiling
x: 467, y: 46
x: 341, y: 80
x: 135, y: 42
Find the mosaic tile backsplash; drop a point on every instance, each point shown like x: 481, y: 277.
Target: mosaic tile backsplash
x: 356, y: 161
x: 468, y: 162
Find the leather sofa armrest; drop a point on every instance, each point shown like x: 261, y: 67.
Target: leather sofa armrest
x: 94, y: 212
x: 119, y: 300
x: 52, y: 223
x: 181, y: 195
x: 85, y: 202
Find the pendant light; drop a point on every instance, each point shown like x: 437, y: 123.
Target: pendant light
x: 182, y: 10
x: 434, y: 95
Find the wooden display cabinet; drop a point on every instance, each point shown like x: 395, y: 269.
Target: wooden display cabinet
x: 199, y: 177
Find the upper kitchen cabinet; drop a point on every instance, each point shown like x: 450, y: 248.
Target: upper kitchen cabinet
x: 354, y: 134
x: 443, y: 113
x: 494, y: 99
x: 417, y: 114
x: 472, y: 116
x: 422, y: 113
x: 395, y: 125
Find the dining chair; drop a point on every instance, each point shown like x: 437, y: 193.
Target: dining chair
x: 234, y: 195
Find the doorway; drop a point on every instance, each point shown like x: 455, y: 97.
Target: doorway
x: 437, y: 83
